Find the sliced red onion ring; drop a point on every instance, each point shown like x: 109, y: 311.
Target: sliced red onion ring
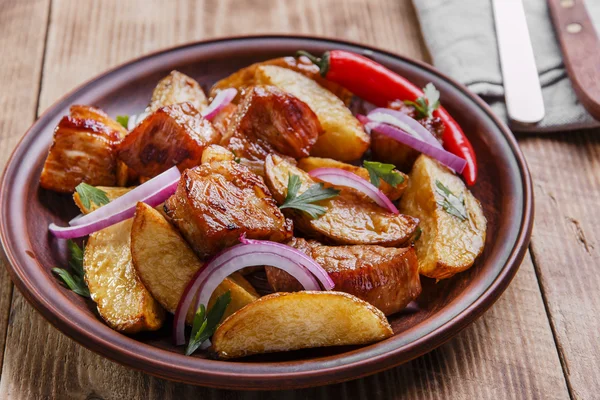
x: 255, y: 253
x: 340, y: 177
x: 407, y: 124
x: 443, y: 156
x: 222, y: 98
x: 153, y: 192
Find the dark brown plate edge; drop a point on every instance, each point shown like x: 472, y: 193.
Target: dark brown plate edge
x: 308, y: 378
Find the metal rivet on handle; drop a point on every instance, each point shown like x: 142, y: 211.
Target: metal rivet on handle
x: 574, y: 27
x: 567, y: 3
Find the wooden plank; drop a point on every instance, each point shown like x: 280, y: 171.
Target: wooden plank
x: 23, y: 28
x: 566, y: 248
x: 508, y: 353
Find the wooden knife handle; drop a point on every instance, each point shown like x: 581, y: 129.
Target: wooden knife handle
x: 580, y: 49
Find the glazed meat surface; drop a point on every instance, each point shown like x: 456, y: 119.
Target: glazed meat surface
x: 387, y: 278
x: 215, y: 203
x: 269, y: 120
x: 83, y: 150
x: 350, y: 217
x: 172, y: 135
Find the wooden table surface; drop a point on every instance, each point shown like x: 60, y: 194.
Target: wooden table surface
x: 541, y: 340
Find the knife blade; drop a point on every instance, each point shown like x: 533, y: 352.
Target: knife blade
x: 522, y: 91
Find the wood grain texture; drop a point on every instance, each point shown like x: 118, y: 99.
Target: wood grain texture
x: 566, y: 249
x: 23, y: 28
x: 508, y: 353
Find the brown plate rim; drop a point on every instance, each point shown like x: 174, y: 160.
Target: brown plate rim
x: 237, y: 375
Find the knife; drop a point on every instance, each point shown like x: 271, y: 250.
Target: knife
x: 581, y: 50
x: 522, y: 91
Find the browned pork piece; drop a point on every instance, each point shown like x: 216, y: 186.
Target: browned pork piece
x: 83, y: 150
x: 349, y: 218
x: 172, y: 135
x: 269, y: 120
x: 385, y: 277
x: 216, y: 202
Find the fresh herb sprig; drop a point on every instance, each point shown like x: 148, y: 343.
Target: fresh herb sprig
x: 383, y: 171
x: 75, y: 280
x: 304, y: 202
x: 205, y: 324
x: 123, y: 120
x: 235, y: 157
x: 450, y: 202
x: 89, y: 194
x: 426, y: 104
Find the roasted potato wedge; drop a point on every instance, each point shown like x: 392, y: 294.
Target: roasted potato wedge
x: 165, y: 264
x: 83, y: 150
x: 244, y: 78
x: 393, y: 193
x: 269, y: 120
x: 122, y: 300
x: 172, y: 135
x: 215, y: 203
x: 447, y: 245
x: 292, y: 321
x: 175, y: 88
x: 351, y: 218
x: 385, y: 277
x: 344, y: 138
x: 111, y: 192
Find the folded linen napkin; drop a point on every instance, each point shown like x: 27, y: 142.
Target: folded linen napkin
x: 461, y: 38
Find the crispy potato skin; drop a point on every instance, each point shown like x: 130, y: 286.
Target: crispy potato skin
x: 351, y: 218
x: 384, y: 277
x: 447, y: 245
x: 292, y: 321
x: 83, y: 150
x: 122, y: 300
x: 172, y: 135
x: 215, y: 203
x: 245, y: 77
x: 165, y: 264
x: 344, y: 138
x: 111, y: 192
x: 393, y: 193
x: 269, y: 120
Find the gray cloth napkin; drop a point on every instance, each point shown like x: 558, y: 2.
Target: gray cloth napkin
x: 461, y: 38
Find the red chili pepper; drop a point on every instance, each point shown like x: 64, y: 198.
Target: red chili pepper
x: 376, y: 84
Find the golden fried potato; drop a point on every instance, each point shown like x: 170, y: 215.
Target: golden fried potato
x: 344, y: 138
x: 215, y: 203
x: 165, y: 264
x: 292, y: 321
x: 447, y: 245
x: 175, y: 88
x: 351, y: 218
x: 122, y: 300
x: 392, y: 192
x: 385, y: 277
x: 172, y: 135
x: 269, y: 120
x: 111, y: 192
x: 83, y: 150
x: 244, y: 78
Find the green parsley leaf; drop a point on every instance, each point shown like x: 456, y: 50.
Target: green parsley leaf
x: 316, y: 192
x: 204, y: 325
x: 426, y: 104
x: 450, y: 202
x: 123, y: 120
x: 383, y: 171
x: 418, y: 233
x: 74, y: 281
x: 235, y: 157
x: 90, y: 194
